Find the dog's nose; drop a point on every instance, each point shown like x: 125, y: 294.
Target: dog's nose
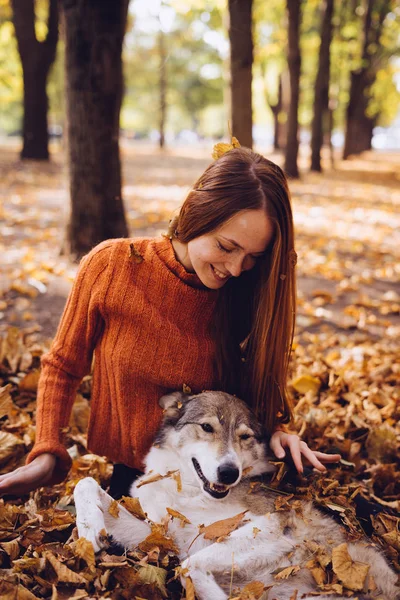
x: 228, y: 473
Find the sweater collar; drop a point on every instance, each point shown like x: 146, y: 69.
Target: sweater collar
x: 165, y: 252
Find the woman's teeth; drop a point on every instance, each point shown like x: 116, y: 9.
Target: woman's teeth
x: 219, y: 274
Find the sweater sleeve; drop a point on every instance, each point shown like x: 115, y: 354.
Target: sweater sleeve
x: 70, y: 357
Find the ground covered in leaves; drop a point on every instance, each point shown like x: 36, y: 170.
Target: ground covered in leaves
x: 344, y: 379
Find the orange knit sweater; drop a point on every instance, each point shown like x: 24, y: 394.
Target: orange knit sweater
x: 148, y: 323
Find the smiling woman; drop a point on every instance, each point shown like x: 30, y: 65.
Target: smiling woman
x: 211, y: 305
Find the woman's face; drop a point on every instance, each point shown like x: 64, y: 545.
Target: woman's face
x: 231, y: 249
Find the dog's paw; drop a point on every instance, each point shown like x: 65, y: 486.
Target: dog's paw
x: 98, y: 538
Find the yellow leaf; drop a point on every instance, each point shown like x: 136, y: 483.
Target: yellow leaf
x: 306, y: 383
x: 351, y: 573
x: 114, y: 509
x: 133, y: 506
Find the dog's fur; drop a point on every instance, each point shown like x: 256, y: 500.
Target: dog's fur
x: 220, y: 433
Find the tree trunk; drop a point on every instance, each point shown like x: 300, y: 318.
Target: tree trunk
x: 294, y: 63
x: 241, y: 45
x: 36, y: 58
x: 321, y: 98
x: 276, y: 109
x: 94, y: 33
x: 359, y: 126
x: 163, y: 85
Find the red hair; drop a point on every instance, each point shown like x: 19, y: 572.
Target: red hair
x: 255, y: 315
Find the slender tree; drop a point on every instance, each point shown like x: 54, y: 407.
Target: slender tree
x: 294, y: 63
x: 359, y: 125
x: 320, y: 122
x: 36, y: 58
x: 94, y: 33
x: 241, y: 45
x: 162, y: 84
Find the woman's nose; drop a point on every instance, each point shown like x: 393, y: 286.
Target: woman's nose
x: 235, y: 266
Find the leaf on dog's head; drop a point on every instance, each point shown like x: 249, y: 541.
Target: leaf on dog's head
x: 351, y: 573
x: 177, y: 515
x: 113, y: 509
x: 220, y: 529
x: 186, y: 390
x: 133, y: 506
x: 285, y: 573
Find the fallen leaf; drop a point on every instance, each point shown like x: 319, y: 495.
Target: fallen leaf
x: 221, y: 529
x: 351, y: 573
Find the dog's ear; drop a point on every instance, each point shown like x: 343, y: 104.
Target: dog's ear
x: 173, y: 403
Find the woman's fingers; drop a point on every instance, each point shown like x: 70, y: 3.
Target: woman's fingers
x: 327, y: 458
x: 276, y: 445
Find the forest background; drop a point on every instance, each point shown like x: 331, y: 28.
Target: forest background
x: 315, y: 87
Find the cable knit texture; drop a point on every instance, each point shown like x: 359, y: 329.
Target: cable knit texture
x: 148, y: 323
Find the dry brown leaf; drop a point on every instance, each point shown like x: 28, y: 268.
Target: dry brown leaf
x: 286, y: 572
x: 30, y: 382
x: 177, y: 515
x: 252, y: 591
x: 351, y: 573
x: 156, y: 538
x: 11, y: 548
x: 6, y: 403
x: 133, y: 506
x: 190, y: 591
x: 10, y: 446
x: 221, y: 529
x: 134, y: 254
x: 14, y: 591
x: 84, y: 549
x: 153, y: 477
x: 63, y: 573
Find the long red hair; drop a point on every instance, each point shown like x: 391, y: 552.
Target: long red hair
x: 255, y: 315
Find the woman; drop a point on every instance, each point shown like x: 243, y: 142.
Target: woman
x: 211, y: 306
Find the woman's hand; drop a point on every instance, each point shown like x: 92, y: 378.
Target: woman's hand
x: 298, y: 449
x: 29, y: 477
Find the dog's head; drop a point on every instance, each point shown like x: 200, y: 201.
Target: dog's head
x: 217, y: 435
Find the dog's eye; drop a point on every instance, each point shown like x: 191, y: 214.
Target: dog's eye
x: 207, y: 427
x: 245, y: 436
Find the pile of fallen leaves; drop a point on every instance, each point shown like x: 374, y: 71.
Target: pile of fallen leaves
x: 344, y: 388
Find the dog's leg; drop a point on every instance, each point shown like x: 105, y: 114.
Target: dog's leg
x: 243, y: 551
x: 93, y: 517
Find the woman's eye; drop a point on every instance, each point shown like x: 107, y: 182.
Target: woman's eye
x: 245, y: 436
x: 207, y: 427
x: 221, y: 247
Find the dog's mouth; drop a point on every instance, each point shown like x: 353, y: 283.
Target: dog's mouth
x: 216, y: 490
